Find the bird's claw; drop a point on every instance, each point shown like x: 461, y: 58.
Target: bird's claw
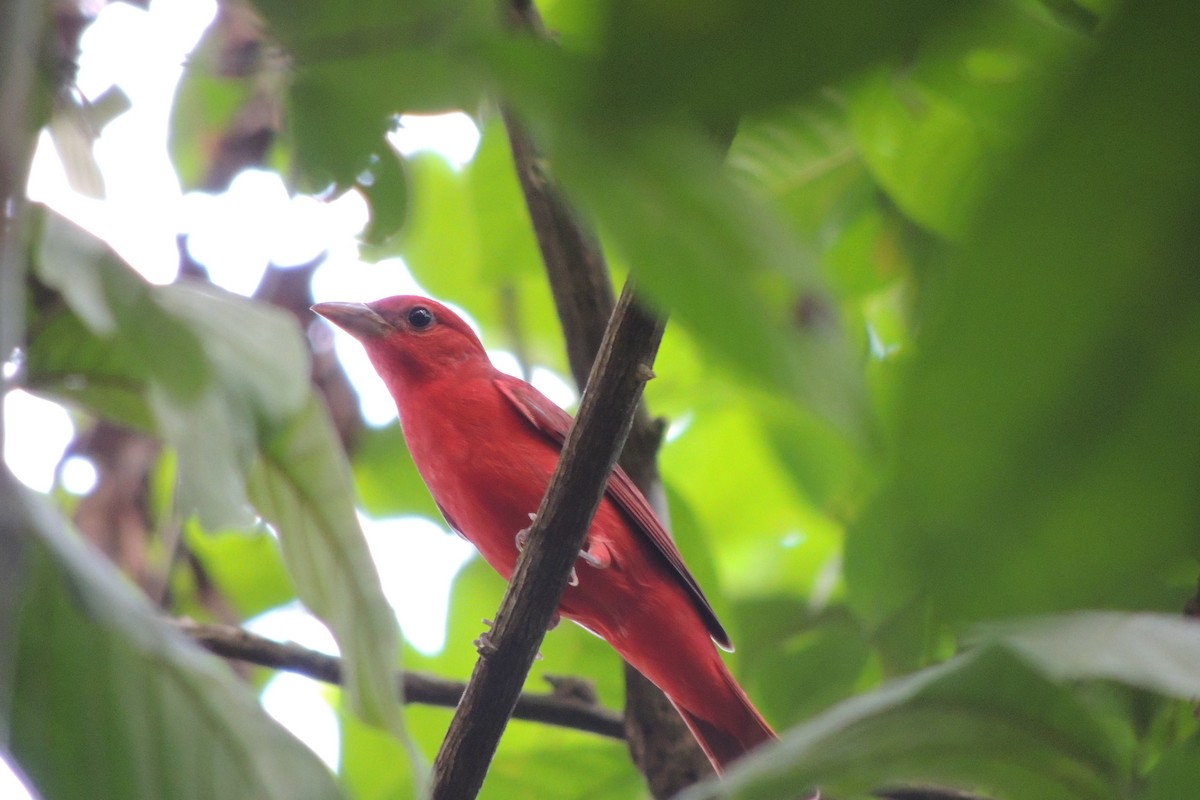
x: 523, y: 534
x: 573, y: 578
x: 483, y: 644
x: 592, y: 561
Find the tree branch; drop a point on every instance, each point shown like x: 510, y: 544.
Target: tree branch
x: 555, y: 539
x: 660, y: 744
x: 559, y: 707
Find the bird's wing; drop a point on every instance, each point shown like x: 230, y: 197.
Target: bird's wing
x: 544, y: 415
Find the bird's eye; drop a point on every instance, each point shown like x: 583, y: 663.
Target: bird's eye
x: 420, y: 317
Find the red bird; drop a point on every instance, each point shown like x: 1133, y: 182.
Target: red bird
x: 486, y: 444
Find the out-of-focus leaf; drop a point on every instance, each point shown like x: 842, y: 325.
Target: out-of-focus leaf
x: 935, y: 134
x: 711, y: 252
x: 985, y: 721
x: 930, y: 156
x: 1043, y: 460
x: 718, y: 56
x: 1175, y: 775
x: 577, y: 767
x: 1150, y: 651
x: 763, y: 536
x: 256, y: 432
x: 65, y: 358
x: 387, y: 480
x: 300, y: 483
x: 811, y: 662
x: 103, y: 700
x: 804, y: 158
x: 107, y: 295
x: 245, y: 566
x: 373, y: 765
x: 228, y: 89
x: 386, y: 191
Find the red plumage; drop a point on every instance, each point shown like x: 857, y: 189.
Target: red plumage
x: 486, y: 445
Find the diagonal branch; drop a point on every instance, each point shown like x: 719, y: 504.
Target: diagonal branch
x: 563, y: 708
x: 554, y: 542
x: 660, y: 744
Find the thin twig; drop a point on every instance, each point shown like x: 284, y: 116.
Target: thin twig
x: 563, y: 708
x: 554, y: 542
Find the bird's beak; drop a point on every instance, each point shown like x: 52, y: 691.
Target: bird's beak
x: 356, y: 319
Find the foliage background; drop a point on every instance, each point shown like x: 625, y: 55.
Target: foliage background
x: 933, y: 350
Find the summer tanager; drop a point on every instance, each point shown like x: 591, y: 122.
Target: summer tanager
x: 486, y: 444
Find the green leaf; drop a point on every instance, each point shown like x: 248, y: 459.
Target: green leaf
x: 1150, y: 651
x: 107, y: 295
x: 1175, y: 775
x: 300, y: 483
x: 245, y: 566
x: 257, y: 432
x: 934, y: 133
x: 737, y: 55
x: 373, y: 764
x: 387, y: 479
x: 386, y: 191
x: 985, y: 721
x: 1039, y: 434
x: 102, y: 699
x: 661, y: 197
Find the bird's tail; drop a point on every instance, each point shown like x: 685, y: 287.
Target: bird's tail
x: 729, y: 726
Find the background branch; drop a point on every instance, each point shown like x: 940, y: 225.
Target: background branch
x: 554, y: 542
x: 560, y: 707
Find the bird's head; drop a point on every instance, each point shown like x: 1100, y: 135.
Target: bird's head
x: 407, y: 337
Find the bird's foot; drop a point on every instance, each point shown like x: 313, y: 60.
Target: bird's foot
x: 483, y: 644
x: 523, y: 534
x: 596, y: 555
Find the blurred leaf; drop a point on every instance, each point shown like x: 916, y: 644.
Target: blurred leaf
x: 577, y: 766
x: 930, y: 156
x: 257, y: 432
x: 104, y: 700
x: 985, y: 721
x: 220, y: 96
x: 661, y: 197
x: 719, y: 56
x: 811, y: 663
x: 300, y: 483
x: 935, y: 133
x: 386, y: 191
x: 804, y: 158
x: 245, y: 566
x: 1175, y: 775
x: 387, y: 479
x: 373, y: 765
x: 761, y: 534
x: 1040, y: 434
x: 1150, y: 651
x: 357, y: 67
x: 66, y: 359
x: 107, y: 295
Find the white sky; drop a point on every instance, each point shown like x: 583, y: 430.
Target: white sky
x: 235, y: 235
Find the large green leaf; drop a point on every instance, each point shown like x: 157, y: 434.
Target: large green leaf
x: 1043, y: 462
x: 100, y: 698
x: 1150, y: 651
x: 985, y: 721
x: 254, y: 432
x: 301, y: 485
